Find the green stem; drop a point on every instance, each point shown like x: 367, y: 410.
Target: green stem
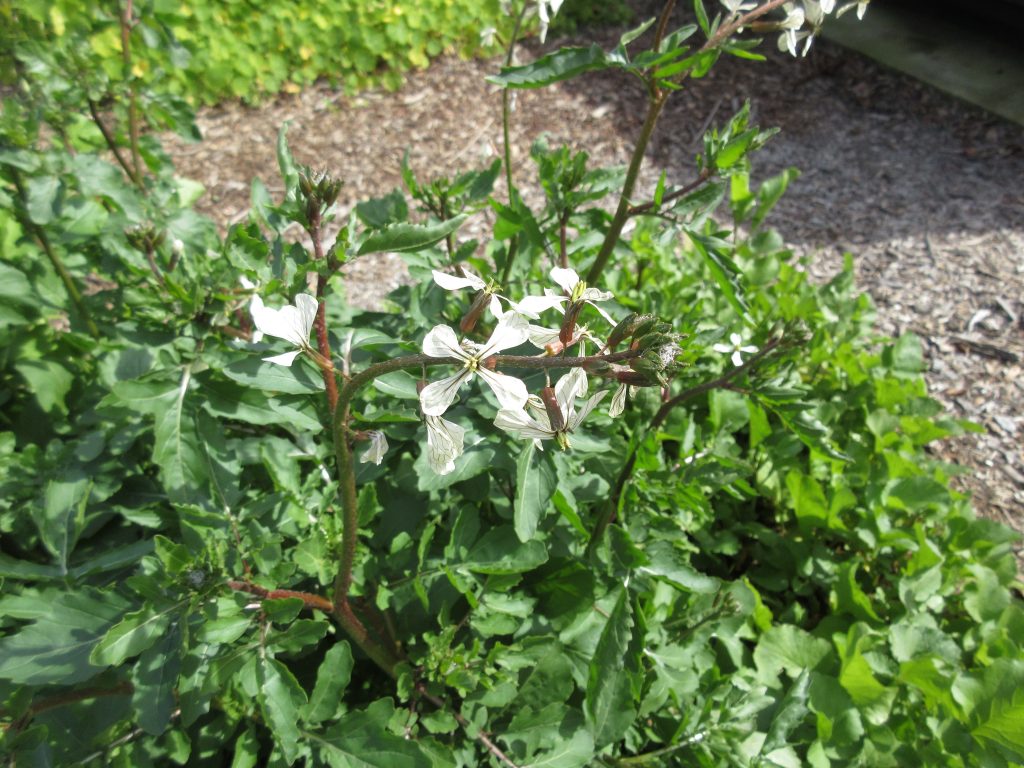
x: 55, y: 260
x: 612, y: 506
x: 611, y: 239
x: 133, y: 108
x: 657, y: 102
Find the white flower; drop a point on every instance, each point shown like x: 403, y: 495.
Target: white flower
x: 862, y: 7
x: 378, y: 447
x: 487, y: 35
x: 575, y: 290
x: 471, y: 280
x: 444, y: 444
x: 542, y: 12
x: 793, y: 21
x: 442, y: 342
x: 735, y: 346
x: 291, y: 323
x: 521, y: 424
x: 737, y: 6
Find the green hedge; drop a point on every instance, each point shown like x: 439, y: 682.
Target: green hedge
x: 248, y: 50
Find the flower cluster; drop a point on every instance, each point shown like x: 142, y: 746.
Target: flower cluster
x: 809, y: 13
x: 558, y: 411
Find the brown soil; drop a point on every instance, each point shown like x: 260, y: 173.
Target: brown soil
x: 925, y: 192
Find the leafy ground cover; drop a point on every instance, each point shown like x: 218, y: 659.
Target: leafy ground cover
x: 741, y: 555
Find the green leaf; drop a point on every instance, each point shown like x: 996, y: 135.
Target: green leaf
x: 614, y: 676
x: 405, y: 238
x: 55, y: 649
x: 791, y: 649
x: 130, y: 637
x: 293, y: 380
x: 177, y: 451
x: 495, y: 554
x: 281, y: 701
x: 154, y: 679
x: 63, y: 514
x: 361, y: 740
x: 563, y: 64
x: 724, y: 271
x: 331, y: 680
x: 1001, y: 722
x: 575, y: 752
x: 536, y: 480
x: 850, y: 598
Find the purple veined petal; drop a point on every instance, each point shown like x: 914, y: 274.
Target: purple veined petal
x: 286, y: 359
x: 595, y: 294
x: 565, y: 277
x: 540, y: 336
x: 307, y: 307
x: 445, y: 441
x: 519, y: 424
x: 568, y: 388
x: 510, y: 391
x: 456, y: 283
x: 588, y: 406
x: 441, y: 341
x: 532, y: 306
x: 438, y: 395
x: 376, y: 450
x: 511, y: 331
x: 618, y: 403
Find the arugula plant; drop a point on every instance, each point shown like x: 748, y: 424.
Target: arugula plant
x: 582, y: 494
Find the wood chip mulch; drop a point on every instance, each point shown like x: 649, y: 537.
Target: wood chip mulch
x: 926, y: 193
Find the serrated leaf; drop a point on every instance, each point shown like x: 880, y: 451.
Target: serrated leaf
x: 614, y: 677
x: 536, y: 481
x: 405, y: 238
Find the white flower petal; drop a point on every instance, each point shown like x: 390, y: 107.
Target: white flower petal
x: 286, y: 359
x: 510, y: 391
x: 444, y: 444
x: 456, y: 283
x: 511, y: 331
x: 737, y: 358
x: 722, y: 348
x: 565, y: 278
x: 588, y: 406
x: 568, y: 388
x: 438, y: 395
x: 441, y: 341
x: 618, y: 403
x: 593, y: 294
x: 540, y: 337
x: 519, y: 424
x: 532, y: 306
x: 307, y: 307
x: 378, y: 447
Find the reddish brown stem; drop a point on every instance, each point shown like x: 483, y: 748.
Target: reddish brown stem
x: 308, y: 599
x: 481, y: 736
x: 108, y: 137
x: 127, y: 22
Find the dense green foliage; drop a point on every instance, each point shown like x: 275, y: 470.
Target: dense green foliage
x: 755, y: 564
x: 208, y: 50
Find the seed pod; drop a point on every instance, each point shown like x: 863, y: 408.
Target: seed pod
x: 568, y: 330
x: 476, y: 309
x: 553, y: 409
